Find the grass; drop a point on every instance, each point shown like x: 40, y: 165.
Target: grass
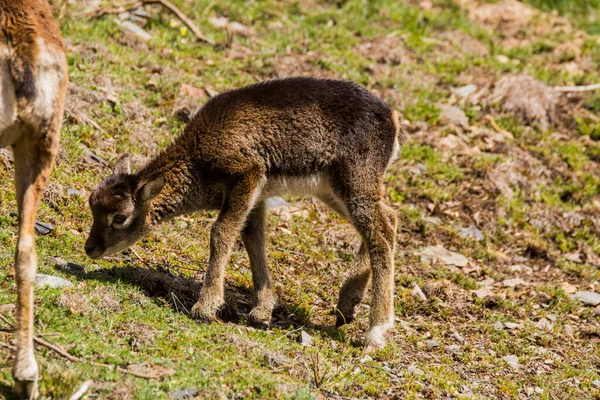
x: 533, y: 195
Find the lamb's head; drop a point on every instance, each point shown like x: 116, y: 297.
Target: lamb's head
x: 120, y: 206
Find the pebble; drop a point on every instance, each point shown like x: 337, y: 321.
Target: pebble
x: 454, y: 349
x: 512, y: 325
x: 437, y: 254
x: 413, y: 370
x: 465, y: 91
x: 568, y: 329
x: 544, y: 325
x: 133, y: 28
x: 305, y: 339
x: 432, y: 220
x: 471, y: 233
x: 65, y: 266
x: 513, y: 283
x: 498, y: 326
x: 432, y: 344
x: 183, y: 394
x: 72, y: 192
x: 42, y: 280
x: 502, y: 59
x: 366, y: 358
x: 596, y: 383
x: 512, y: 360
x: 456, y: 336
x: 485, y: 282
x: 568, y: 288
x: 453, y: 115
x: 43, y: 228
x: 590, y: 298
x: 418, y: 292
x: 483, y: 292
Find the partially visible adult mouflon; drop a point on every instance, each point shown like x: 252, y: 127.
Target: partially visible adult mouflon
x: 33, y: 83
x: 326, y: 138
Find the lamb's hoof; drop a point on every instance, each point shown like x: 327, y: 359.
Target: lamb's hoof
x: 342, y: 319
x: 204, y: 314
x: 376, y: 337
x: 26, y: 389
x: 259, y: 318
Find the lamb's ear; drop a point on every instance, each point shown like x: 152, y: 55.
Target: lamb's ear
x: 151, y: 189
x: 123, y: 165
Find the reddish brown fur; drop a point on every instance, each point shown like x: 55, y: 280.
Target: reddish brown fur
x: 33, y: 80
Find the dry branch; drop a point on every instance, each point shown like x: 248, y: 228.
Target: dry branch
x: 59, y: 350
x: 586, y: 88
x: 99, y: 12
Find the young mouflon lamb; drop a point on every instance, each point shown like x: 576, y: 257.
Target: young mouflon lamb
x: 326, y: 138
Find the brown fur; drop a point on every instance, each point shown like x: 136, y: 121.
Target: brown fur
x: 33, y: 83
x: 327, y: 138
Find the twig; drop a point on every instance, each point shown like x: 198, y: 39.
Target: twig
x: 6, y: 345
x: 586, y: 88
x: 289, y: 333
x: 84, y: 388
x: 166, y: 4
x: 71, y: 357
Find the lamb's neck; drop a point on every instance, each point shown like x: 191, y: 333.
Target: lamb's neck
x: 175, y: 168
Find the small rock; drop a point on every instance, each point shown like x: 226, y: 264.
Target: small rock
x: 366, y: 358
x: 65, y: 266
x: 7, y: 307
x: 590, y: 298
x: 418, y: 292
x: 453, y: 115
x: 42, y: 228
x: 498, y: 326
x: 72, y: 192
x: 182, y: 224
x: 568, y: 288
x: 432, y: 220
x: 544, y: 325
x: 356, y: 371
x: 568, y: 329
x: 454, y: 349
x: 520, y: 268
x: 276, y: 202
x: 471, y: 233
x: 512, y: 360
x: 305, y: 339
x: 485, y: 282
x: 482, y: 293
x: 42, y: 280
x: 512, y: 325
x: 575, y: 257
x: 183, y: 394
x: 538, y: 390
x: 432, y: 344
x: 502, y: 59
x: 596, y: 383
x: 465, y: 91
x: 437, y: 254
x: 413, y: 370
x: 456, y: 336
x: 513, y: 283
x: 136, y: 30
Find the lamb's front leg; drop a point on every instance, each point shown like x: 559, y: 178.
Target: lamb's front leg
x: 253, y: 236
x: 237, y: 205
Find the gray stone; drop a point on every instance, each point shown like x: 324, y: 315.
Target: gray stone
x: 596, y: 383
x: 183, y: 394
x: 431, y: 344
x: 454, y: 349
x: 482, y: 293
x: 276, y: 202
x: 512, y: 360
x: 465, y: 91
x: 513, y: 283
x: 453, y: 115
x: 512, y: 325
x: 65, y: 266
x: 498, y: 326
x: 437, y: 254
x: 456, y: 336
x: 590, y: 298
x: 72, y: 192
x: 432, y: 220
x: 544, y: 325
x: 471, y: 233
x: 136, y: 30
x: 43, y: 228
x: 305, y: 339
x: 42, y: 280
x: 413, y: 370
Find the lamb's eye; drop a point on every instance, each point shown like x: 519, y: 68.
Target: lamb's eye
x: 119, y: 219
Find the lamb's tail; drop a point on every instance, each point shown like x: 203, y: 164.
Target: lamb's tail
x: 399, y: 138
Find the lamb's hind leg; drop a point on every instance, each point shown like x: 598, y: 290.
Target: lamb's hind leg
x: 33, y: 163
x: 355, y: 286
x: 253, y: 236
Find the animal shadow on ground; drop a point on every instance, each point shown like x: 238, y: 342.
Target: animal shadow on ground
x: 160, y: 283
